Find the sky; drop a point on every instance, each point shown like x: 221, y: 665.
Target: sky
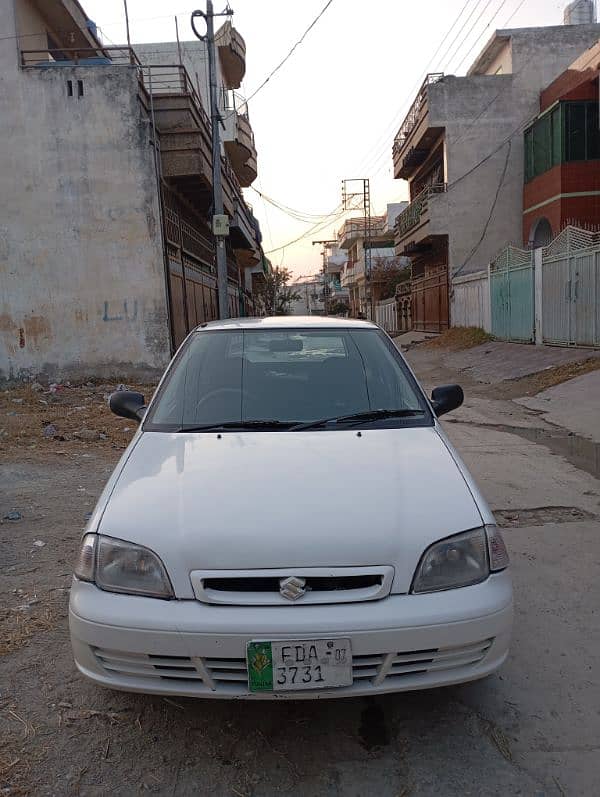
x: 332, y: 110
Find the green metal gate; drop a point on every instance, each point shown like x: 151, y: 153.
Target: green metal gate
x: 511, y: 295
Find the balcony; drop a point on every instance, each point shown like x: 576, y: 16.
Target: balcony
x: 238, y: 139
x: 335, y: 263
x: 421, y: 220
x: 232, y: 55
x: 357, y: 229
x: 244, y: 233
x: 184, y: 128
x: 417, y: 133
x: 349, y: 275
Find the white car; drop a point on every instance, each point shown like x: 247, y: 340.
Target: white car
x: 289, y: 521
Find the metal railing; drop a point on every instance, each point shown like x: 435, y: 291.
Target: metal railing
x: 357, y: 228
x: 234, y: 104
x: 172, y: 79
x: 234, y: 101
x: 413, y: 115
x: 411, y: 216
x: 79, y: 56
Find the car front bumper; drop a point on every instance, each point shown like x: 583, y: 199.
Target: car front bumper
x: 400, y: 643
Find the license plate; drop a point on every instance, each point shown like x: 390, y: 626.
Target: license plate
x: 299, y: 664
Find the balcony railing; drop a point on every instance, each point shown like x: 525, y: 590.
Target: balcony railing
x: 234, y: 101
x: 166, y: 79
x: 357, y: 228
x: 79, y: 56
x: 413, y: 115
x: 411, y: 216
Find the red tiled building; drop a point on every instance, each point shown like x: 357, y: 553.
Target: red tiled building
x: 562, y: 154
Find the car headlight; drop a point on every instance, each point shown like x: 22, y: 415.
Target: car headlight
x: 119, y: 566
x: 461, y: 560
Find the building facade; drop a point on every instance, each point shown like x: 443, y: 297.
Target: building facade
x: 562, y: 155
x: 106, y: 249
x: 461, y: 151
x: 369, y: 245
x: 334, y: 261
x: 311, y: 299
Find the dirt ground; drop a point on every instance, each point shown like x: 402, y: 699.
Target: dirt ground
x: 532, y: 729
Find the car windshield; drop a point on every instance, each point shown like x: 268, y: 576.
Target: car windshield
x: 281, y: 377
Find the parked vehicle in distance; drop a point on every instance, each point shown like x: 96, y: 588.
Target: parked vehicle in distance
x: 289, y: 521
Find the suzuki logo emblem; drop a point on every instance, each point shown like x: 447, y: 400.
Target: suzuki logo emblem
x: 292, y: 587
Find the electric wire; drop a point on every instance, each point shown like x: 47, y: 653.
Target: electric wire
x: 491, y: 213
x: 488, y: 104
x: 466, y: 36
x: 297, y: 214
x: 399, y: 114
x: 312, y: 230
x: 291, y: 52
x: 380, y: 159
x: 517, y: 9
x: 340, y: 212
x: 476, y: 42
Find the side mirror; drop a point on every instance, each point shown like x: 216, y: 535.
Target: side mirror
x: 446, y: 398
x: 127, y: 404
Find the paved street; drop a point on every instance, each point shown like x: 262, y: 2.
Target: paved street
x: 532, y: 729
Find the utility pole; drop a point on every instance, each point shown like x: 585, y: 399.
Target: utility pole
x: 347, y: 195
x: 325, y: 244
x: 220, y: 221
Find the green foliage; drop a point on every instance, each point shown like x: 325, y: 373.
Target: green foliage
x: 274, y: 296
x: 386, y: 274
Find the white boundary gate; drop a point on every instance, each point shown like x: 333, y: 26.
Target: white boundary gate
x: 571, y: 289
x: 386, y: 314
x: 470, y: 301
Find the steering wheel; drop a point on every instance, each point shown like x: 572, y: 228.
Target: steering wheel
x: 224, y: 391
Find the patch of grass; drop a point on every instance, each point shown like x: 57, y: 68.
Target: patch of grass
x: 561, y: 373
x: 457, y: 338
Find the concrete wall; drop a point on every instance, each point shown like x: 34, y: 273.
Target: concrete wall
x: 479, y: 112
x: 31, y: 26
x: 82, y: 287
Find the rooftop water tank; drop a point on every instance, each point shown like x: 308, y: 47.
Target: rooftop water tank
x: 580, y: 12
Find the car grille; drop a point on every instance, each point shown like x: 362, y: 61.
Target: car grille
x: 231, y: 674
x: 263, y: 587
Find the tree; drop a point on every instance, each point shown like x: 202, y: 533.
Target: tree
x: 387, y: 273
x: 338, y: 307
x: 274, y: 296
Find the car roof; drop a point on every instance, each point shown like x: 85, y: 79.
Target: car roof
x: 288, y: 322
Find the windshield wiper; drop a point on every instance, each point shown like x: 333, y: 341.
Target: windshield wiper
x: 265, y: 425
x: 357, y: 417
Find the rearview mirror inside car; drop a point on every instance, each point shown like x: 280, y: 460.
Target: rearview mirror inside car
x: 286, y: 344
x: 446, y: 398
x: 127, y: 404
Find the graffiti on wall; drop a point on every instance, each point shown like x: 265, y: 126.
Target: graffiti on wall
x: 117, y: 311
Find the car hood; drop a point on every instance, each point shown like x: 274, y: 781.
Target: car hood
x: 289, y: 499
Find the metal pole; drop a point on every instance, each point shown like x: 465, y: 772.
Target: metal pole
x: 216, y: 163
x: 127, y: 25
x: 163, y: 231
x: 178, y: 42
